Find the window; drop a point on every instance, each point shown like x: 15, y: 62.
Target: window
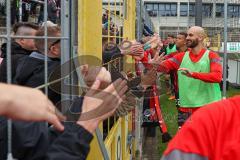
x: 233, y: 11
x: 149, y: 7
x: 163, y: 9
x: 168, y: 9
x: 207, y: 10
x: 173, y: 9
x: 183, y: 9
x: 155, y: 7
x: 230, y: 11
x: 219, y: 10
x: 192, y: 10
x: 152, y: 9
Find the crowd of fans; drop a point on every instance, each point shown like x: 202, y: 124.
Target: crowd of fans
x: 32, y: 10
x: 194, y: 72
x: 34, y: 140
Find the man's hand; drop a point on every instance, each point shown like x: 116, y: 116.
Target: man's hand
x: 149, y: 78
x: 135, y: 49
x: 128, y: 104
x: 22, y: 103
x: 91, y: 74
x: 185, y: 72
x: 99, y: 105
x: 156, y: 60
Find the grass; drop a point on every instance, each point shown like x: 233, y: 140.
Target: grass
x: 232, y: 92
x: 170, y: 116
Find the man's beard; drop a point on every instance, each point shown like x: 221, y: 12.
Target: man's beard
x: 193, y: 43
x: 177, y: 47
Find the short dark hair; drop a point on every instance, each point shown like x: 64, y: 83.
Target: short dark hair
x: 183, y: 34
x: 24, y: 24
x: 171, y: 35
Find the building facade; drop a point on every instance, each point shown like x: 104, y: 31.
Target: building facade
x: 174, y: 16
x: 170, y: 16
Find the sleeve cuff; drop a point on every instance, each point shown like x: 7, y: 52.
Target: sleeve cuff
x: 194, y: 74
x: 79, y: 130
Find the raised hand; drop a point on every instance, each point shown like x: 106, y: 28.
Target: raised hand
x: 90, y: 74
x: 27, y: 104
x: 101, y: 104
x: 156, y: 60
x: 185, y: 72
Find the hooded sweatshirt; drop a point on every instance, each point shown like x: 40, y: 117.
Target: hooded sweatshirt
x: 17, y: 52
x: 30, y: 72
x: 34, y: 140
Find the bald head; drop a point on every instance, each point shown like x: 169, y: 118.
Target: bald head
x: 196, y: 36
x: 199, y: 31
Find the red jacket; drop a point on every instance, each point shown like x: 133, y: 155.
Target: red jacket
x: 212, y: 133
x: 175, y: 75
x: 215, y: 75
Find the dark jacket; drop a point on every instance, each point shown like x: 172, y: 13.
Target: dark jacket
x: 17, y: 52
x: 27, y: 137
x: 72, y: 144
x: 36, y: 141
x: 30, y: 72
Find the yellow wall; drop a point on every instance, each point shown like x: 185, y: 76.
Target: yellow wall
x: 90, y: 28
x: 90, y: 43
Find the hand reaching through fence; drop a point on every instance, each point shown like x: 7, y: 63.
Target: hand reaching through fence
x: 132, y: 48
x: 99, y: 105
x: 21, y: 103
x: 149, y: 78
x: 91, y: 74
x: 156, y: 60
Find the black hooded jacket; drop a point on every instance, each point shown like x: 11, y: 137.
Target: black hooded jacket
x: 34, y: 140
x: 17, y: 52
x: 30, y: 72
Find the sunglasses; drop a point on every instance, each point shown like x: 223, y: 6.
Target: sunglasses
x: 55, y: 42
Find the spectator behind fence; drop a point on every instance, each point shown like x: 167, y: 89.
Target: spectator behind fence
x: 30, y: 70
x: 19, y: 47
x: 52, y: 10
x: 74, y: 142
x: 30, y: 137
x: 26, y: 7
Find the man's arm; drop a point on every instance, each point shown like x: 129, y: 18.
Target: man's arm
x: 72, y: 144
x: 172, y: 63
x: 27, y: 104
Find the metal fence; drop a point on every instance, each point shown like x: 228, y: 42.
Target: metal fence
x: 66, y: 45
x: 81, y: 35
